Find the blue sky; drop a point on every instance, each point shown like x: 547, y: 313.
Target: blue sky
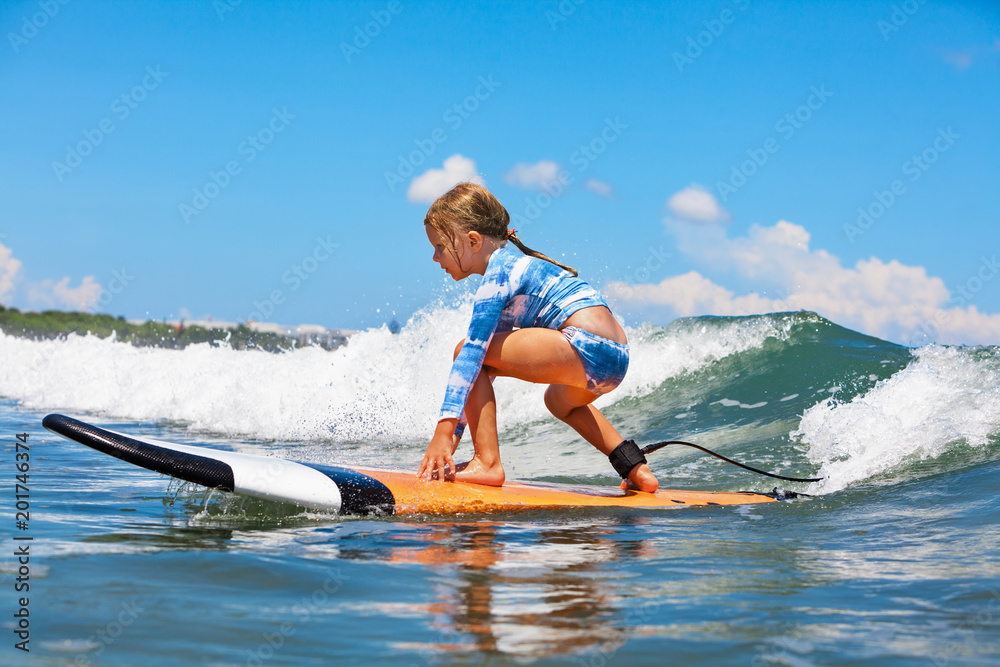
x: 270, y: 160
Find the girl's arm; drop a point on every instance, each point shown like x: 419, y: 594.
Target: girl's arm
x: 491, y: 298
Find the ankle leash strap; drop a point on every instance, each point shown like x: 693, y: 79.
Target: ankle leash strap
x: 626, y: 456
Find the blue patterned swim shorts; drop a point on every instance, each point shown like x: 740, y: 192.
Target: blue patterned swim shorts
x: 604, y: 361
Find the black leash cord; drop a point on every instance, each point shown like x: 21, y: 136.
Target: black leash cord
x: 652, y: 448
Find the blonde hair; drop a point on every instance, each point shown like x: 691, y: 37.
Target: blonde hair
x: 469, y: 207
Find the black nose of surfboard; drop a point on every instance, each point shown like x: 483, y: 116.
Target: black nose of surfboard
x: 189, y: 467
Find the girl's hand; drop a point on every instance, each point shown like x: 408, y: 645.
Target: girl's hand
x: 439, y: 456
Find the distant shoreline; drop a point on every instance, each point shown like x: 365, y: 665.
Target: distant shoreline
x: 53, y: 324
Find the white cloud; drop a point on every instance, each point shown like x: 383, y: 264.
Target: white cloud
x: 960, y: 60
x: 698, y: 204
x: 47, y: 293
x: 532, y: 176
x: 599, y: 187
x: 9, y: 268
x: 766, y: 253
x: 435, y: 182
x: 691, y: 294
x: 966, y: 58
x: 886, y: 299
x: 51, y: 293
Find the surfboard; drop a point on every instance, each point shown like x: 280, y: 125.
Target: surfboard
x: 363, y: 491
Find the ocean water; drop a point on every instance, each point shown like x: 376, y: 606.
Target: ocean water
x: 893, y: 560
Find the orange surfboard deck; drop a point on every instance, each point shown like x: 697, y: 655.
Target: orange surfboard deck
x: 416, y: 496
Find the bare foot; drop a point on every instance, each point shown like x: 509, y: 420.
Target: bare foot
x: 641, y: 479
x: 476, y: 472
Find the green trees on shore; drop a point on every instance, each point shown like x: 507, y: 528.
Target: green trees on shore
x: 51, y: 324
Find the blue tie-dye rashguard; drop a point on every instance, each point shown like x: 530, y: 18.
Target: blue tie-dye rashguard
x: 517, y: 292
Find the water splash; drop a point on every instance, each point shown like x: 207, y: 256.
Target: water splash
x: 948, y: 397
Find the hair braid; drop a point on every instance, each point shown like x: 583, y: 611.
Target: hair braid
x: 469, y: 207
x: 512, y: 235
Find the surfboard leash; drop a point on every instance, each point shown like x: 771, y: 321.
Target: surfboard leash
x: 659, y: 445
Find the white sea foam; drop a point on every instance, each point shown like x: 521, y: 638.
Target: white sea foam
x: 946, y: 397
x: 380, y: 387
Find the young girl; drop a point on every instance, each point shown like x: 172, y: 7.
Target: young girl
x: 532, y: 319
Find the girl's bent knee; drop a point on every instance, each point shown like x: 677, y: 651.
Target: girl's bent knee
x: 557, y: 404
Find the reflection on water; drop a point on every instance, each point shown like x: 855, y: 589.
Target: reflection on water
x: 534, y: 591
x: 521, y: 589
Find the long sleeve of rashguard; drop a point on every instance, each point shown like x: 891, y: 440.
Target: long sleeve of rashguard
x: 491, y: 297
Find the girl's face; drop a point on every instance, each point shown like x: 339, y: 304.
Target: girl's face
x: 446, y: 259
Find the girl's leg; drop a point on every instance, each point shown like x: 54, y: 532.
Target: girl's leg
x: 542, y: 356
x: 481, y: 411
x: 573, y: 406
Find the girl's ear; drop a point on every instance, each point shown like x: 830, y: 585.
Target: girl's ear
x: 475, y: 240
